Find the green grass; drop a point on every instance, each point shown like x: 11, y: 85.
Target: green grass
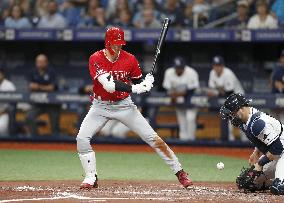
x: 60, y: 165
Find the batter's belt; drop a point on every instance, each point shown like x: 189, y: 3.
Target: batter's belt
x: 99, y: 100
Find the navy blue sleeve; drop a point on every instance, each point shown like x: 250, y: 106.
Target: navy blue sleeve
x: 257, y: 127
x: 52, y: 77
x: 31, y: 76
x: 276, y: 147
x: 277, y: 75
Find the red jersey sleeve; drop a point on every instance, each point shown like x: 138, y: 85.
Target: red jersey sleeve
x: 96, y: 67
x: 136, y: 72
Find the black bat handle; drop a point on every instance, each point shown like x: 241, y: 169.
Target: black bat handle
x: 160, y: 42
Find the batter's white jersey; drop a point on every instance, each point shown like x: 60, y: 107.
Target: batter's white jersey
x: 188, y: 80
x: 227, y: 80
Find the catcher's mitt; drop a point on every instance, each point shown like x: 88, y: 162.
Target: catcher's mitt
x: 246, y: 180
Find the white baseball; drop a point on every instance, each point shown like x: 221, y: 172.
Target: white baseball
x: 220, y: 166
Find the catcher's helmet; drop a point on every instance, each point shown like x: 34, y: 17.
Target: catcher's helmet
x: 232, y: 104
x: 114, y: 36
x: 235, y: 101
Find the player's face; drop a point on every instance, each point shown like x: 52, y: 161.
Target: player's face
x: 242, y: 113
x: 41, y: 62
x: 116, y: 48
x: 262, y: 10
x: 218, y: 69
x: 179, y: 71
x: 242, y: 11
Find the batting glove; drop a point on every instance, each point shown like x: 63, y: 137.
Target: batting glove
x: 149, y: 78
x: 141, y: 87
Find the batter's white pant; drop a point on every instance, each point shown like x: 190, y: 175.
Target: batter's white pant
x: 126, y: 112
x: 272, y: 170
x: 187, y: 123
x: 4, y: 124
x: 115, y: 128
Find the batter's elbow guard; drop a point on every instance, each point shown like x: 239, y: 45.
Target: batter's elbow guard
x: 107, y: 82
x: 109, y: 87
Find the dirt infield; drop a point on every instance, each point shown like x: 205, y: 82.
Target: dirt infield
x: 128, y: 191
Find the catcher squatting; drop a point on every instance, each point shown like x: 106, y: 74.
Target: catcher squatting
x: 266, y: 134
x: 115, y: 74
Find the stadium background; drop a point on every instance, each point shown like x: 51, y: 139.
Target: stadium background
x: 251, y: 54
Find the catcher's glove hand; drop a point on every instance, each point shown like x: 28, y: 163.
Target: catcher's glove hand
x: 246, y: 180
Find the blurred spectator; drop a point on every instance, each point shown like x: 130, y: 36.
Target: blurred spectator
x: 41, y: 7
x: 25, y: 5
x: 180, y: 82
x: 173, y: 10
x: 278, y: 76
x: 222, y: 83
x: 94, y: 18
x: 188, y: 16
x: 115, y: 8
x: 278, y: 10
x: 200, y: 9
x: 72, y: 11
x: 17, y: 19
x: 43, y: 79
x: 148, y: 20
x: 52, y: 19
x: 5, y: 86
x: 144, y: 4
x: 124, y: 19
x: 262, y: 20
x: 241, y: 21
x: 140, y: 7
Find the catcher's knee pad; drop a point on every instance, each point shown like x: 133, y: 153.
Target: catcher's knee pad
x: 83, y: 145
x: 277, y: 187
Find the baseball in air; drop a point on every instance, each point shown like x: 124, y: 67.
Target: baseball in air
x: 220, y: 166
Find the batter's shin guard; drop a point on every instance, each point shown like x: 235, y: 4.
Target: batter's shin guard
x: 88, y: 162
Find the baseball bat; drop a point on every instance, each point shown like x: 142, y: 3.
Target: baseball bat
x: 160, y: 42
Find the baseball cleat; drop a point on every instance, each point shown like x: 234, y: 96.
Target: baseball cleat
x: 86, y: 185
x: 183, y: 179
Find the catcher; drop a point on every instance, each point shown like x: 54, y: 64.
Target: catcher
x: 266, y: 134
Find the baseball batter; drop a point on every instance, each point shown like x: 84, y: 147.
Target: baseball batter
x: 115, y: 74
x: 266, y: 134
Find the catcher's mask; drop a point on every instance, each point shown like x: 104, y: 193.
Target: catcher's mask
x: 231, y: 106
x: 114, y: 36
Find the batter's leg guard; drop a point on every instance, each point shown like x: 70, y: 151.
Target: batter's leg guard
x: 88, y: 162
x: 277, y: 187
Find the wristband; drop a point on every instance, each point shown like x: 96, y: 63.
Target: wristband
x: 263, y: 160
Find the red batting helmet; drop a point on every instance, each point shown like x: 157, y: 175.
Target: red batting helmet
x: 114, y: 36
